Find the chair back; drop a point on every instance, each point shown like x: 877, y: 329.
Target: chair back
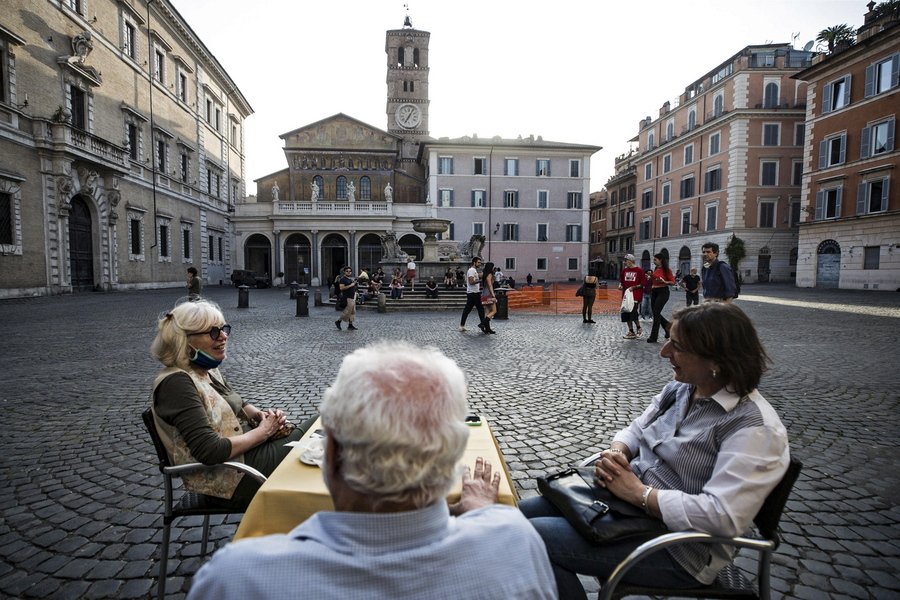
x: 770, y: 514
x: 161, y: 453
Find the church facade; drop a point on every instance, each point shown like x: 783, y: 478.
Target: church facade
x: 350, y: 189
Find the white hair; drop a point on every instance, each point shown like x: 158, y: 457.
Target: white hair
x: 171, y: 346
x: 398, y: 412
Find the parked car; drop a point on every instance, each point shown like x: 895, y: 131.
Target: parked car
x: 241, y: 277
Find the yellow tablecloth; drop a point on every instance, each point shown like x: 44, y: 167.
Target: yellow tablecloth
x: 295, y: 491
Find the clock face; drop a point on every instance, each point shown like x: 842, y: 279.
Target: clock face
x: 408, y: 116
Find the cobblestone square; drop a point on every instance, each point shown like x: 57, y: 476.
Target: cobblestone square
x: 80, y: 494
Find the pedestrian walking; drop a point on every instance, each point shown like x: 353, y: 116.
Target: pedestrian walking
x: 646, y: 312
x: 488, y: 298
x: 632, y: 279
x: 691, y: 285
x: 473, y: 295
x: 529, y: 279
x: 194, y: 285
x: 659, y: 295
x: 718, y: 278
x: 347, y: 293
x: 588, y: 295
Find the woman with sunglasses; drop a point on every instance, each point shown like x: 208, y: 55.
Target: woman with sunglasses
x: 200, y: 418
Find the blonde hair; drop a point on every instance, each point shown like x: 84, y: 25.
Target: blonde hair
x: 170, y: 347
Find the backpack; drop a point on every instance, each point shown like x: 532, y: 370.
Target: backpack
x: 734, y: 277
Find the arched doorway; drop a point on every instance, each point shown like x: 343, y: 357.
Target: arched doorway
x: 763, y: 265
x: 684, y: 261
x: 297, y: 259
x: 81, y: 245
x: 334, y: 256
x: 369, y: 251
x: 412, y: 245
x: 828, y: 264
x: 258, y: 255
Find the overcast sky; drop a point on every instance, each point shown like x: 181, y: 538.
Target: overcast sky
x: 571, y: 71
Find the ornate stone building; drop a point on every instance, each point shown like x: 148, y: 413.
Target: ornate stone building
x: 121, y: 148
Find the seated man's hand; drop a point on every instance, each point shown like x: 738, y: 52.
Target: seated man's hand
x: 478, y: 490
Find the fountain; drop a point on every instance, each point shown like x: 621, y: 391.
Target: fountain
x: 430, y: 227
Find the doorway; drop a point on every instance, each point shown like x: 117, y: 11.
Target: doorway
x: 258, y: 255
x: 81, y: 245
x: 334, y: 256
x: 297, y: 259
x: 828, y: 264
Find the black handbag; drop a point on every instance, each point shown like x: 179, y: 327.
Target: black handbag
x: 595, y: 512
x: 341, y: 303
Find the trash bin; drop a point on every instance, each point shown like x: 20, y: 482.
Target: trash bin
x: 382, y: 302
x: 302, y: 302
x: 243, y: 296
x: 317, y: 298
x: 294, y: 287
x: 502, y: 304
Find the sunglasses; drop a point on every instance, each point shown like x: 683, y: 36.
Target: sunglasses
x: 215, y: 332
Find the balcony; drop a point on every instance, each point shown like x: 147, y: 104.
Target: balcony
x: 62, y: 136
x: 356, y: 209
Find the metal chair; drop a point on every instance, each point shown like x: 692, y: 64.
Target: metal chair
x: 190, y: 503
x: 731, y: 581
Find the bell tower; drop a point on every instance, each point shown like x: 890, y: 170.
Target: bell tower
x: 407, y: 85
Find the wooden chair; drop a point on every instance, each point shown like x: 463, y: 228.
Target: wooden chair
x: 731, y: 581
x: 190, y: 503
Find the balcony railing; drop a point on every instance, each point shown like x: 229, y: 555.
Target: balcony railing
x: 87, y: 144
x: 332, y: 208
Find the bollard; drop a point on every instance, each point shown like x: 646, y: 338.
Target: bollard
x: 317, y: 298
x: 502, y: 304
x: 243, y: 296
x: 302, y: 302
x: 382, y: 302
x: 294, y: 287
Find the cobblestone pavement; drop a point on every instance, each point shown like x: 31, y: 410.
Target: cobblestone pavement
x: 80, y: 493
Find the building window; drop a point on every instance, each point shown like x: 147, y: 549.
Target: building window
x: 692, y: 119
x: 365, y: 188
x: 718, y: 105
x: 877, y: 139
x: 212, y: 249
x: 478, y: 200
x: 446, y: 198
x: 132, y: 141
x: 769, y: 172
x: 182, y: 87
x: 712, y: 181
x: 341, y: 188
x: 218, y: 123
x: 573, y: 233
x: 543, y: 197
x: 542, y: 232
x: 644, y: 232
x: 159, y: 65
x: 873, y: 196
x: 670, y: 130
x: 573, y: 264
x: 510, y: 199
x: 163, y: 242
x: 478, y: 228
x: 664, y: 226
x: 542, y: 167
x: 771, y: 134
x: 714, y: 140
x: 667, y: 163
x: 666, y: 192
x: 687, y: 187
x: 651, y: 141
x: 184, y: 166
x: 797, y: 172
x: 688, y: 154
x: 871, y: 257
x: 511, y: 166
x: 481, y: 166
x: 574, y: 168
x: 209, y: 106
x: 648, y: 171
x: 161, y: 152
x: 712, y: 215
x: 573, y: 200
x: 78, y: 106
x: 76, y: 5
x: 882, y: 76
x: 510, y: 232
x: 770, y: 95
x: 541, y: 264
x: 135, y: 236
x: 129, y: 39
x: 445, y: 165
x: 186, y: 242
x: 685, y: 222
x: 320, y: 183
x: 7, y: 220
x: 509, y: 264
x: 832, y: 151
x: 647, y: 199
x: 799, y: 133
x: 767, y: 214
x: 828, y: 203
x: 836, y: 94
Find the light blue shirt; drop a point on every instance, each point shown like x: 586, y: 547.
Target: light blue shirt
x: 491, y: 552
x: 714, y: 461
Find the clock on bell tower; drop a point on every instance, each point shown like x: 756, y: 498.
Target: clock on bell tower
x: 407, y: 83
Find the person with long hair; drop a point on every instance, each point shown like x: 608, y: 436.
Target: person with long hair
x: 488, y: 297
x: 704, y: 455
x: 659, y: 295
x: 588, y: 295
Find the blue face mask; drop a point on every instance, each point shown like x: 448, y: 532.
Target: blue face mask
x: 204, y: 360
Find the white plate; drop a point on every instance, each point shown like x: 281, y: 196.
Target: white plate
x: 313, y: 452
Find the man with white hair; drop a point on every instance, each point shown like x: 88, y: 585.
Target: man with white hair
x: 395, y: 432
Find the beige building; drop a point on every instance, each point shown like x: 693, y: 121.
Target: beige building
x: 723, y: 159
x: 121, y: 148
x: 850, y: 230
x: 622, y: 188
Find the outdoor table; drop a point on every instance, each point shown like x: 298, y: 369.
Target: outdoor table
x: 295, y: 491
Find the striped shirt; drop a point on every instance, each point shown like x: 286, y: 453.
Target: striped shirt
x: 714, y: 461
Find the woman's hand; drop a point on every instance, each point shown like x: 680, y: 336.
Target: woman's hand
x: 269, y: 423
x: 613, y: 472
